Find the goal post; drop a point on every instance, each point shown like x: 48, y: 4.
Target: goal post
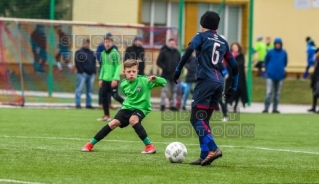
x: 25, y: 52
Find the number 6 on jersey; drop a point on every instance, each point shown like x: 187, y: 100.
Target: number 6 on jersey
x: 215, y: 55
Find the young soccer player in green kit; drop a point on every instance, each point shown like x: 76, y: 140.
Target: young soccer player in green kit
x: 136, y: 106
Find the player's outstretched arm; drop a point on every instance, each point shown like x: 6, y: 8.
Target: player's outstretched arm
x: 155, y: 81
x: 196, y: 41
x: 187, y: 54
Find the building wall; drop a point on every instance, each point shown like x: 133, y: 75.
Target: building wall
x: 190, y: 25
x: 279, y: 18
x: 193, y: 10
x: 192, y: 17
x: 274, y: 18
x: 110, y: 11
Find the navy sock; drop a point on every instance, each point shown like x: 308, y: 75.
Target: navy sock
x: 210, y: 142
x: 205, y: 137
x: 203, y: 150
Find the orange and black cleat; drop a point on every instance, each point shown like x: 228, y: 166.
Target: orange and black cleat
x: 88, y: 147
x: 212, y: 155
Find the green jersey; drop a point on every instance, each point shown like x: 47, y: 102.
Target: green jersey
x: 138, y: 93
x: 111, y: 65
x: 261, y: 50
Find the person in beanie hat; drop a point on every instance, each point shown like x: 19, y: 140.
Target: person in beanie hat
x: 210, y: 20
x: 211, y: 49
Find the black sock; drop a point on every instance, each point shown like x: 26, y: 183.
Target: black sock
x: 140, y: 131
x: 102, y: 133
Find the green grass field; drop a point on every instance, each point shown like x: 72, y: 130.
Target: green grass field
x: 43, y: 145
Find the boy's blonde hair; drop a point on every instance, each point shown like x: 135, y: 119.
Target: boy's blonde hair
x: 130, y: 63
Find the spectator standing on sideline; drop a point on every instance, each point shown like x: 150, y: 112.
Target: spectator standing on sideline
x: 99, y: 50
x: 311, y: 48
x: 275, y: 62
x: 315, y: 82
x: 241, y: 92
x: 85, y: 63
x: 190, y: 79
x: 167, y: 60
x: 136, y: 52
x: 261, y: 50
x: 39, y: 46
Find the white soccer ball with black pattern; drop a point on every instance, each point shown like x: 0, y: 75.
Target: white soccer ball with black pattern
x: 176, y: 152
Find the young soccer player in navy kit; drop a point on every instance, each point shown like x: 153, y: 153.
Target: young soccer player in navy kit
x: 136, y: 106
x: 210, y: 50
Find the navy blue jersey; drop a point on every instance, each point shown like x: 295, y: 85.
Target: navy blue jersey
x: 210, y: 50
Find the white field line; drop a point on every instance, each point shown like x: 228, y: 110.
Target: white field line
x: 18, y: 181
x: 127, y: 141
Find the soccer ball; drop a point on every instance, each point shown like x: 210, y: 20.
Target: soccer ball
x: 176, y: 152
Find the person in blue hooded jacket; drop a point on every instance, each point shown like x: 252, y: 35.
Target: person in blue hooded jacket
x: 275, y: 63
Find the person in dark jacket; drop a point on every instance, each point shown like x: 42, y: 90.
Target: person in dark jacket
x: 275, y: 62
x: 85, y: 63
x: 241, y: 92
x: 136, y: 52
x: 167, y: 60
x: 314, y: 82
x: 190, y: 79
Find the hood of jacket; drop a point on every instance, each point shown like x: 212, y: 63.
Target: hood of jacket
x: 278, y: 40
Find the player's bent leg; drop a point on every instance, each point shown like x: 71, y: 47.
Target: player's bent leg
x: 101, y: 134
x: 135, y: 122
x: 209, y: 150
x: 213, y: 151
x: 197, y: 116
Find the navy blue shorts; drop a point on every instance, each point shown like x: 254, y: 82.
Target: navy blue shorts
x: 207, y: 94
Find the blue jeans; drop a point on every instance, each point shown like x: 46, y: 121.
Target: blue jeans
x: 186, y: 93
x: 88, y: 80
x: 276, y: 86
